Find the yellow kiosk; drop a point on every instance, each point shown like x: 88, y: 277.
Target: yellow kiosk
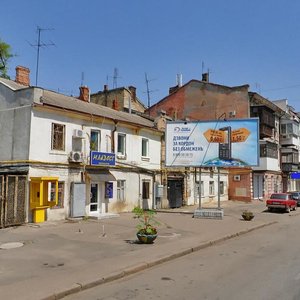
x: 43, y: 194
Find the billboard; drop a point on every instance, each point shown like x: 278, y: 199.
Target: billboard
x: 232, y: 143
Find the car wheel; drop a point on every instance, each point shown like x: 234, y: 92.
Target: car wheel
x: 295, y: 208
x: 270, y: 209
x: 288, y: 209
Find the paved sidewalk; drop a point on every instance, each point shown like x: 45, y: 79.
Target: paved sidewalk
x: 59, y: 258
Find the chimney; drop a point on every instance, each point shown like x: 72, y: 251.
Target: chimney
x: 205, y: 77
x: 132, y: 90
x: 173, y: 89
x: 84, y: 93
x: 22, y: 75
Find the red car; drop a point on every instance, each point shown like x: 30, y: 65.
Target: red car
x: 281, y: 201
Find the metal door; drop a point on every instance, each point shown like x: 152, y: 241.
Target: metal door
x: 258, y: 186
x: 12, y: 200
x: 78, y: 199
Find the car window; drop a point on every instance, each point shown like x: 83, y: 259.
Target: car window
x: 279, y: 196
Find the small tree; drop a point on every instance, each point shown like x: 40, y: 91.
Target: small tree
x: 5, y: 55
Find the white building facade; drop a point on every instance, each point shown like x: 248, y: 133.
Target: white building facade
x: 69, y: 157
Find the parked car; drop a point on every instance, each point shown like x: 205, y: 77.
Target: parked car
x: 281, y: 201
x: 296, y: 196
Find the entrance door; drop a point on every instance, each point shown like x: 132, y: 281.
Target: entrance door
x: 258, y: 187
x: 175, y: 194
x: 94, y: 197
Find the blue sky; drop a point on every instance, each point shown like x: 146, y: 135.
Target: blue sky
x: 240, y: 41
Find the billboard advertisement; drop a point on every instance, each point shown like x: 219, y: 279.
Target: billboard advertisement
x: 231, y: 143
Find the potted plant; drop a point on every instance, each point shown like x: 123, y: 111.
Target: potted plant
x: 247, y: 215
x: 147, y: 231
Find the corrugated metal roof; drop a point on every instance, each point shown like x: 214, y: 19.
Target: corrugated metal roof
x: 74, y: 104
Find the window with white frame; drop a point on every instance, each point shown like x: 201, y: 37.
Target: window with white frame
x: 145, y: 147
x: 197, y: 189
x: 58, y: 137
x: 95, y: 140
x: 121, y: 144
x: 211, y: 188
x: 121, y: 185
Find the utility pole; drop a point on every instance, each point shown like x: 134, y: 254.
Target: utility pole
x: 38, y: 45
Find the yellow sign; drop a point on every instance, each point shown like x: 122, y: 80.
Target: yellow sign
x: 239, y: 135
x: 219, y: 136
x: 214, y: 136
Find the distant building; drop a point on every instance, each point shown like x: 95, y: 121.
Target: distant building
x: 122, y: 99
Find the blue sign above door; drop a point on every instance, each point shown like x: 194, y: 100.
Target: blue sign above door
x: 102, y: 158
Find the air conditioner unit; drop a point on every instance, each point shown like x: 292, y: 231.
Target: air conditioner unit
x: 75, y: 156
x: 78, y: 133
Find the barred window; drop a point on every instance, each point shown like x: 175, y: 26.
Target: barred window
x: 58, y: 137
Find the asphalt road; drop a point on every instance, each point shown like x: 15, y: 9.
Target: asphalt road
x: 263, y: 264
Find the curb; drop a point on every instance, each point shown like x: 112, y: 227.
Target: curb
x: 78, y: 287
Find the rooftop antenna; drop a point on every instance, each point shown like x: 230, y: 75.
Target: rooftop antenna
x: 82, y: 78
x: 38, y: 46
x: 115, y: 78
x: 148, y: 91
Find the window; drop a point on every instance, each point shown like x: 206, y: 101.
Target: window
x: 60, y: 200
x: 121, y: 190
x: 269, y: 150
x: 121, y: 144
x: 58, y: 137
x: 95, y: 140
x: 146, y: 189
x: 211, y: 188
x: 222, y: 188
x: 290, y: 128
x: 197, y: 189
x: 145, y: 147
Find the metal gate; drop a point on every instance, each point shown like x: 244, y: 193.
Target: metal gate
x: 12, y: 200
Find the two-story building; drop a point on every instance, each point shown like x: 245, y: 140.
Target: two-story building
x: 63, y: 157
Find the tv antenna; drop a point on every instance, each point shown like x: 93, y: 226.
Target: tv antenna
x: 148, y: 91
x: 38, y: 45
x: 82, y: 78
x: 115, y: 78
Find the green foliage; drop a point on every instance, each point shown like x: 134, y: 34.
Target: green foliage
x: 5, y: 55
x: 146, y: 219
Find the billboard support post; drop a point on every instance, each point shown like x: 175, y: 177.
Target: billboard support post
x: 200, y: 189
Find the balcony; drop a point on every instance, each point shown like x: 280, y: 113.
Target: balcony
x: 289, y: 167
x: 267, y: 164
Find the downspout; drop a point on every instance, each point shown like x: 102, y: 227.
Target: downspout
x: 113, y: 137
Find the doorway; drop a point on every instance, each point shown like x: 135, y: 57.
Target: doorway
x: 175, y: 193
x: 94, y: 198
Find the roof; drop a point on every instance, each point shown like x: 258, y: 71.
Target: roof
x: 12, y: 84
x: 58, y: 100
x: 70, y: 103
